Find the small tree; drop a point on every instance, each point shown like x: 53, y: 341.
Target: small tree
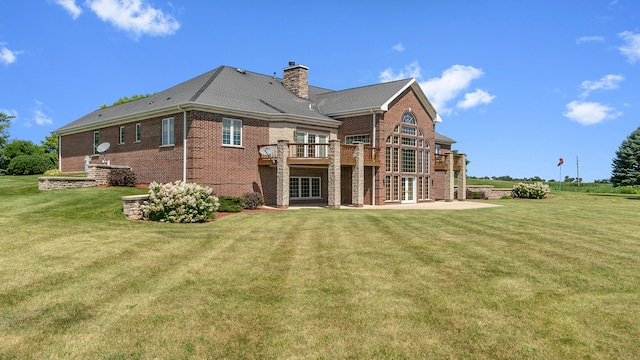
x: 626, y: 164
x: 5, y: 122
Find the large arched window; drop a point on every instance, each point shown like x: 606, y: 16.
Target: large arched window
x: 407, y: 162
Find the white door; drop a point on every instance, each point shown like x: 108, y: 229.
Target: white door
x: 408, y: 190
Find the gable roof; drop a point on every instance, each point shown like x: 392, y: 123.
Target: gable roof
x: 236, y: 92
x: 441, y: 139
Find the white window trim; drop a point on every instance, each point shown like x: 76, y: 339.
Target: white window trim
x: 173, y: 132
x: 233, y: 124
x: 138, y: 132
x: 310, y: 185
x: 121, y: 135
x: 95, y: 144
x: 357, y: 135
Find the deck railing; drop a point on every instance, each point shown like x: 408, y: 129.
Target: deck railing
x: 318, y: 153
x: 442, y: 163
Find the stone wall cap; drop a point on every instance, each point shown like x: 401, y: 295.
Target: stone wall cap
x: 65, y: 178
x: 110, y: 166
x: 135, y: 197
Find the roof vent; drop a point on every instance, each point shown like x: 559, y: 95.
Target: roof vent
x: 241, y: 71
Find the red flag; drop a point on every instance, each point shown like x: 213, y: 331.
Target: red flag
x: 560, y: 162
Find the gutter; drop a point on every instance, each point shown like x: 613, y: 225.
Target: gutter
x: 184, y: 143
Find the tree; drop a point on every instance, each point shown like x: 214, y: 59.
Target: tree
x: 5, y: 122
x: 126, y: 99
x: 50, y: 146
x: 626, y: 164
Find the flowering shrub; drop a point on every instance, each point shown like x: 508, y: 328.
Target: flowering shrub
x: 536, y: 190
x: 179, y: 202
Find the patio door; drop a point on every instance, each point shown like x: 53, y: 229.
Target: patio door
x: 408, y: 189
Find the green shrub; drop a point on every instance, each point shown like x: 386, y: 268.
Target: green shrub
x: 231, y: 204
x: 253, y: 200
x: 628, y: 189
x: 180, y: 202
x: 29, y: 165
x: 121, y: 177
x: 52, y: 172
x: 476, y: 195
x: 506, y: 197
x: 536, y: 190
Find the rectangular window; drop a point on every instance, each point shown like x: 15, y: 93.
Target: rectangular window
x: 419, y: 161
x: 396, y: 187
x: 311, y: 150
x: 138, y: 133
x: 387, y: 188
x: 396, y: 157
x: 121, y: 134
x: 357, y: 138
x: 408, y: 160
x: 420, y: 194
x: 408, y: 141
x: 167, y: 132
x: 427, y: 162
x: 231, y: 132
x: 388, y: 160
x: 304, y: 188
x: 96, y: 142
x: 408, y: 130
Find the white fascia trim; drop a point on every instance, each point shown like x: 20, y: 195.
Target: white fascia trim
x: 413, y: 83
x: 356, y: 112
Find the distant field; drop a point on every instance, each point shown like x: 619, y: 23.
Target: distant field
x: 565, y: 186
x: 532, y: 279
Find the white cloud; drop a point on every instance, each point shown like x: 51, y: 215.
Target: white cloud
x: 585, y: 39
x: 453, y: 81
x: 446, y: 88
x: 398, y: 47
x: 39, y: 115
x: 590, y: 113
x: 632, y: 48
x: 475, y: 98
x: 410, y: 71
x: 8, y: 56
x: 608, y: 82
x: 135, y: 16
x: 71, y: 7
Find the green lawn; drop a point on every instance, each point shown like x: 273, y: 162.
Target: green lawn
x: 533, y: 279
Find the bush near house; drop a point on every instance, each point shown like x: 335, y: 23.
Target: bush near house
x: 536, y: 190
x: 231, y: 204
x: 121, y: 177
x: 253, y: 200
x: 180, y: 202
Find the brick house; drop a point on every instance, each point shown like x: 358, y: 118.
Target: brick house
x: 238, y: 131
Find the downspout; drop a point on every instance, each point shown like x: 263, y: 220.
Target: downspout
x: 373, y: 168
x: 184, y: 143
x: 59, y: 153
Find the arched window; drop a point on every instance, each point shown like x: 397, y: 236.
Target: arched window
x: 407, y: 162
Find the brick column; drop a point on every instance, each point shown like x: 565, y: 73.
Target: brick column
x: 357, y: 177
x: 282, y: 192
x: 334, y: 188
x: 462, y: 178
x: 449, y: 180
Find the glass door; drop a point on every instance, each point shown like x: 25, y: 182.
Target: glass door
x: 408, y: 190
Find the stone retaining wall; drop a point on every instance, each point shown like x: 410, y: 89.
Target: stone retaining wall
x: 132, y: 206
x: 488, y: 191
x: 96, y: 176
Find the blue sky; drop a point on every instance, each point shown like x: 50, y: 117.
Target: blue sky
x: 518, y: 84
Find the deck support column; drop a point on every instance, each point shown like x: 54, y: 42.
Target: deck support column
x: 282, y: 188
x: 449, y: 180
x: 462, y: 178
x: 357, y: 177
x: 334, y: 189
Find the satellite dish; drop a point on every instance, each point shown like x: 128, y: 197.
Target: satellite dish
x: 103, y: 147
x: 267, y: 150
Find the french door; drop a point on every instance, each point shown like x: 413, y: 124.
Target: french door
x: 408, y: 189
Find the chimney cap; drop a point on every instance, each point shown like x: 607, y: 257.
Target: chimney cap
x: 292, y: 63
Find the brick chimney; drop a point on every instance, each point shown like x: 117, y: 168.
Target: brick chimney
x: 296, y: 79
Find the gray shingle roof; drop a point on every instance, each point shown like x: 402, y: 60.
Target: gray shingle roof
x: 230, y: 89
x: 441, y: 139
